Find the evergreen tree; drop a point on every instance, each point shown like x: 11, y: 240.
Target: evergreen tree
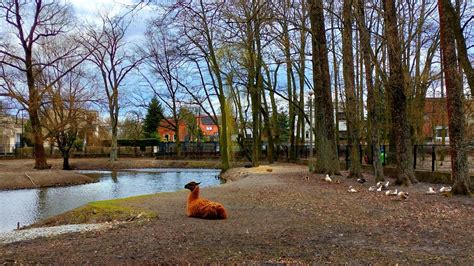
x: 283, y: 125
x: 153, y: 118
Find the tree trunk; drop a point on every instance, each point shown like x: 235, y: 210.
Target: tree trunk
x: 255, y: 84
x: 275, y: 129
x: 301, y: 75
x: 223, y: 140
x: 397, y: 91
x: 336, y: 76
x: 66, y: 165
x: 242, y: 131
x: 255, y: 126
x: 34, y: 102
x: 223, y: 128
x: 373, y: 98
x: 177, y: 140
x: 327, y: 160
x: 453, y: 21
x: 39, y: 152
x: 352, y: 116
x: 268, y: 126
x: 114, y: 115
x: 454, y: 103
x: 289, y: 83
x: 114, y: 145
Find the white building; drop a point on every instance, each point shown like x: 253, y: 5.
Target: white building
x: 10, y: 133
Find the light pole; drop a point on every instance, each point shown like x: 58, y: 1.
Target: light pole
x: 310, y: 161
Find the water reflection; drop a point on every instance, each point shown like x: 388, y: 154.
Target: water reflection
x: 30, y: 205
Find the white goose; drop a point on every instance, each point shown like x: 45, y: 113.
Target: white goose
x: 445, y: 189
x: 403, y: 195
x: 430, y: 191
x: 391, y: 192
x: 351, y: 190
x: 327, y: 178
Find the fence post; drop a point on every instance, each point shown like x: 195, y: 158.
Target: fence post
x: 414, y: 156
x: 348, y: 160
x: 360, y: 153
x: 384, y: 154
x: 371, y: 159
x: 433, y: 158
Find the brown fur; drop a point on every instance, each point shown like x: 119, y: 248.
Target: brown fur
x: 203, y: 208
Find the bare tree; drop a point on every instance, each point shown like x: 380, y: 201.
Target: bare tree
x: 398, y: 99
x: 327, y: 160
x: 163, y: 66
x: 454, y: 102
x: 251, y: 19
x: 352, y: 117
x: 132, y: 128
x: 199, y: 25
x: 420, y: 42
x: 113, y: 56
x: 31, y: 25
x: 454, y: 22
x: 64, y: 112
x: 373, y: 94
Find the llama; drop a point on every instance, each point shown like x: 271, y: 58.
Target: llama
x: 203, y: 208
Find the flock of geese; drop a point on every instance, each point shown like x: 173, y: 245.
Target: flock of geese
x: 383, y: 187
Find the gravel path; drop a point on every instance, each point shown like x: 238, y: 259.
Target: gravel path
x: 28, y: 234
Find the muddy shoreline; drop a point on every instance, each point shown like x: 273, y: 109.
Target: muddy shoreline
x: 19, y: 174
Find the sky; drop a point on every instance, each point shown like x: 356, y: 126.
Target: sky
x: 89, y: 10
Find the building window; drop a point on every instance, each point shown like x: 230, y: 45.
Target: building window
x: 439, y: 133
x: 167, y: 137
x: 307, y: 134
x: 209, y: 128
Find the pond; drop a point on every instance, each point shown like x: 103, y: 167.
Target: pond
x: 28, y: 206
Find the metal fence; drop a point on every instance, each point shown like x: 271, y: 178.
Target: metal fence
x: 425, y: 157
x: 431, y: 157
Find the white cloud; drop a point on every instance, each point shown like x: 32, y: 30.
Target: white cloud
x: 88, y: 11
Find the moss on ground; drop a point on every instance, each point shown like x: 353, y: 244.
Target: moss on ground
x: 101, y: 211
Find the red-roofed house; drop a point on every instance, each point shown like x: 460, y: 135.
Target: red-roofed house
x: 209, y: 129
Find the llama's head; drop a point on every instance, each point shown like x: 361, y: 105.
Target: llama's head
x: 192, y: 185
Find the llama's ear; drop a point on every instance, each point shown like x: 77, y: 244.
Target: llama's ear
x: 198, y: 183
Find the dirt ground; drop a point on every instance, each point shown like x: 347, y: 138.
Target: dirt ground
x: 19, y: 174
x: 277, y: 216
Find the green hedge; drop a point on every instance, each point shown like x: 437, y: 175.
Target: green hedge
x: 138, y: 142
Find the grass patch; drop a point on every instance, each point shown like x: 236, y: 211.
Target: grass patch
x: 101, y: 211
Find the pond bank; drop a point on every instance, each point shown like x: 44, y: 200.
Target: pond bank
x: 33, y: 233
x: 277, y: 213
x: 19, y: 174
